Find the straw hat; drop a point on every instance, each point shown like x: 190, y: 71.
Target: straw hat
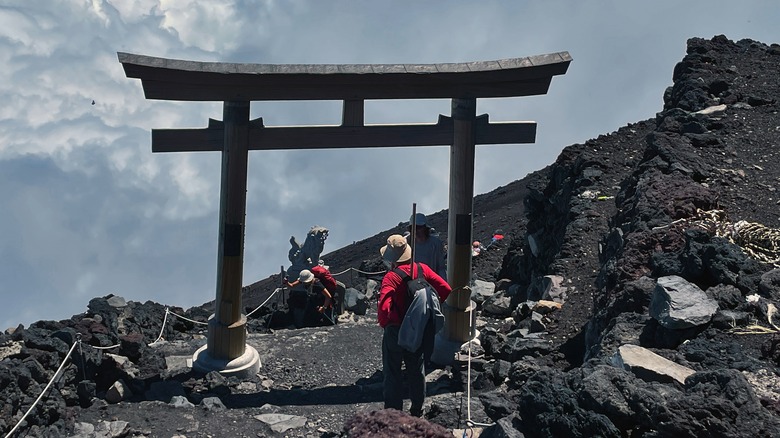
x: 396, y: 250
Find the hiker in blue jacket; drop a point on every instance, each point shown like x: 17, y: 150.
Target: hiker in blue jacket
x: 391, y: 309
x: 428, y: 248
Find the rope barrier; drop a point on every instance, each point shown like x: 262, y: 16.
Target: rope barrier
x: 187, y: 319
x: 359, y: 271
x: 105, y: 348
x: 56, y: 374
x: 264, y: 302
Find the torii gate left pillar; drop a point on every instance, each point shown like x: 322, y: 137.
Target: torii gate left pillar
x: 226, y: 349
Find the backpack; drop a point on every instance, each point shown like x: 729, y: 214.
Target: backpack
x: 422, y: 306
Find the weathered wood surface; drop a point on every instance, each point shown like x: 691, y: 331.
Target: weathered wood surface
x: 172, y: 79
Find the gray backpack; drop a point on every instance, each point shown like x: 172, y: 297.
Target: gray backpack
x: 422, y: 306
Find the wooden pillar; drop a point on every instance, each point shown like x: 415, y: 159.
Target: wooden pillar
x: 461, y: 192
x: 227, y: 329
x: 458, y: 312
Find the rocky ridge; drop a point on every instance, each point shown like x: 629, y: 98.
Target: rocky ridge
x: 634, y: 296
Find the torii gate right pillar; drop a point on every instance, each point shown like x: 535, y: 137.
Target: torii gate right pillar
x: 458, y: 311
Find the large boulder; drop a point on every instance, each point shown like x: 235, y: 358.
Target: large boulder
x: 680, y: 304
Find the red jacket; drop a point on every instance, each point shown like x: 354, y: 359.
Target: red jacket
x: 392, y: 294
x: 327, y: 280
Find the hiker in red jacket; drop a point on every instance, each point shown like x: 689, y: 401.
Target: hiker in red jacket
x: 391, y: 309
x: 319, y: 279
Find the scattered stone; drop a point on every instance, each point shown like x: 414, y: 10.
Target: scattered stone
x: 712, y: 110
x: 553, y: 289
x: 355, y: 301
x: 649, y: 366
x: 544, y: 306
x: 481, y: 291
x: 212, y: 404
x: 498, y: 305
x: 537, y: 325
x: 371, y: 287
x: 11, y: 348
x: 116, y: 302
x: 124, y: 364
x: 729, y: 319
x: 281, y: 423
x: 117, y: 392
x: 179, y: 401
x: 507, y: 427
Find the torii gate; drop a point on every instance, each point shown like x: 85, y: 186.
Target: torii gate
x: 236, y: 85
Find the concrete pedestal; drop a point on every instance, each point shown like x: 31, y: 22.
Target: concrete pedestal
x: 459, y: 328
x: 246, y: 365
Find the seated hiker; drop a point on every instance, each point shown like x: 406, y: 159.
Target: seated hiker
x: 323, y: 291
x: 476, y: 248
x: 428, y: 248
x: 392, y: 307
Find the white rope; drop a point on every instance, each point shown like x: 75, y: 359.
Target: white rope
x: 162, y: 329
x: 368, y: 273
x: 165, y: 320
x: 359, y: 271
x: 64, y: 361
x: 187, y: 319
x: 267, y: 300
x: 105, y: 348
x: 469, y: 422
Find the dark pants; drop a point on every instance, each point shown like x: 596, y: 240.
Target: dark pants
x: 392, y: 357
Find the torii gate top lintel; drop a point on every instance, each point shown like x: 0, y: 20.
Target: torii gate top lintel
x: 172, y: 79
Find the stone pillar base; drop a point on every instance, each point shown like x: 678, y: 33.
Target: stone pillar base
x: 445, y: 350
x: 244, y: 366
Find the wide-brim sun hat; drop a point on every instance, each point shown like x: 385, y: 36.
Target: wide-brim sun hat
x: 305, y: 276
x: 396, y: 250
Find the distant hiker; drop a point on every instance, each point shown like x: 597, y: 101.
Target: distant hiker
x: 428, y: 248
x: 322, y: 294
x: 498, y: 237
x: 391, y: 310
x: 476, y: 248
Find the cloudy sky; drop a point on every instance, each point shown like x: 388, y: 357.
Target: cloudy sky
x: 88, y: 210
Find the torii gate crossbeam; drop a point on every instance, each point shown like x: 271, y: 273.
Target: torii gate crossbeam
x: 236, y: 85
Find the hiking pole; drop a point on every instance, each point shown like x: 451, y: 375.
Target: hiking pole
x: 413, y: 236
x: 322, y: 312
x: 282, y: 282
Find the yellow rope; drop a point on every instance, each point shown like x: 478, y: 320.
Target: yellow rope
x: 756, y: 240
